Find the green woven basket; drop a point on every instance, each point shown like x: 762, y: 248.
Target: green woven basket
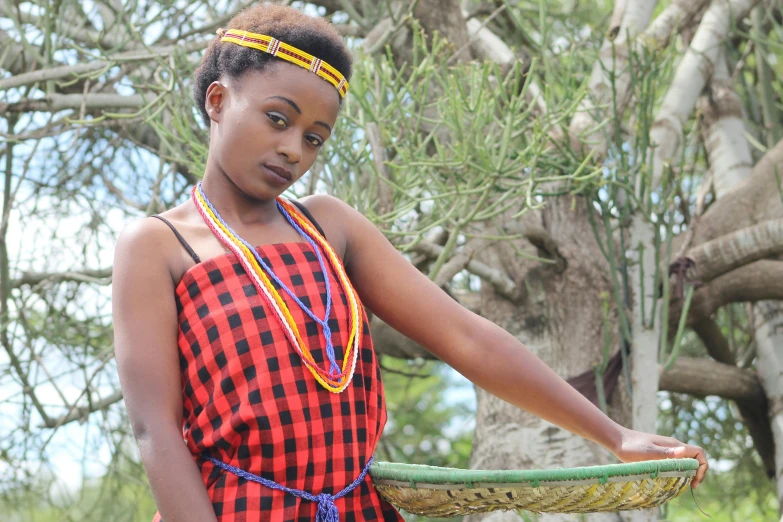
x: 447, y: 492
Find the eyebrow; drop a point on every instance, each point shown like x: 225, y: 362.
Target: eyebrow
x: 293, y: 105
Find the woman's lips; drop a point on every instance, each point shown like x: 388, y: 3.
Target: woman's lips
x: 279, y: 174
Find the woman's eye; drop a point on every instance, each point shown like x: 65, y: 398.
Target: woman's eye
x: 315, y: 140
x: 277, y: 120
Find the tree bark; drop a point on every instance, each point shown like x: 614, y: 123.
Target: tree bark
x: 646, y: 334
x: 729, y: 154
x: 60, y: 102
x: 726, y: 253
x: 445, y: 17
x: 724, y: 130
x: 560, y: 318
x: 768, y: 317
x: 752, y: 201
x: 676, y: 16
x: 754, y: 282
x: 645, y: 330
x: 703, y: 377
x: 692, y: 74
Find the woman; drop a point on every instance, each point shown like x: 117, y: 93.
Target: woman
x: 241, y: 329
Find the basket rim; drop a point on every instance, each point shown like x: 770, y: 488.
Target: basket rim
x: 519, y: 486
x: 413, y: 473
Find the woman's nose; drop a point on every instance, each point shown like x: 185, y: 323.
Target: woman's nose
x: 290, y: 146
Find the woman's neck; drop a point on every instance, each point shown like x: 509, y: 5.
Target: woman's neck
x: 234, y: 205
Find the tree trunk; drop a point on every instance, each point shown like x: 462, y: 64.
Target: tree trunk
x: 559, y: 318
x: 730, y: 160
x: 645, y: 329
x: 768, y: 322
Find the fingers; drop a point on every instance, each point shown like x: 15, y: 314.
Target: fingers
x: 694, y: 452
x: 688, y: 451
x: 699, y: 454
x: 677, y: 450
x: 649, y: 446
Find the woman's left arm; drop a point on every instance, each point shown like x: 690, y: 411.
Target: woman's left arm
x: 483, y: 352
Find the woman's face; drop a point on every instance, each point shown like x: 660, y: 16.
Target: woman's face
x: 268, y: 126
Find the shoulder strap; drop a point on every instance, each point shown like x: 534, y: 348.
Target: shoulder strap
x: 180, y: 238
x: 309, y: 216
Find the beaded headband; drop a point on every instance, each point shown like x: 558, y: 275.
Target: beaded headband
x: 288, y: 53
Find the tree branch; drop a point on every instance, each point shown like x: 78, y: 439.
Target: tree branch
x: 488, y: 46
x: 758, y: 281
x: 502, y: 283
x: 99, y: 276
x: 611, y: 77
x: 676, y: 15
x: 542, y: 240
x: 702, y: 377
x: 753, y: 201
x: 726, y: 253
x: 60, y: 102
x: 68, y: 71
x: 77, y: 30
x: 458, y: 262
x: 693, y: 72
x: 80, y: 414
x: 714, y: 341
x: 16, y: 57
x: 52, y: 73
x: 723, y: 131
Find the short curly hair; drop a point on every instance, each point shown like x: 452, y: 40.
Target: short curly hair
x: 310, y: 34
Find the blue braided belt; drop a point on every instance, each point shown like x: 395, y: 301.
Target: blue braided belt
x: 327, y: 510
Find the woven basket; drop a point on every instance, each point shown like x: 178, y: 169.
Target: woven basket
x: 447, y: 492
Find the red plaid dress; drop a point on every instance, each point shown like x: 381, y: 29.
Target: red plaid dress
x: 249, y: 401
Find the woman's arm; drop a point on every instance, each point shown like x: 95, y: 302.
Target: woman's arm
x: 483, y: 352
x: 145, y: 343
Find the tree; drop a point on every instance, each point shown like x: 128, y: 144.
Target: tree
x: 606, y: 199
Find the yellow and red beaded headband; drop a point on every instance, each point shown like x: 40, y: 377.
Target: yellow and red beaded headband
x: 288, y: 53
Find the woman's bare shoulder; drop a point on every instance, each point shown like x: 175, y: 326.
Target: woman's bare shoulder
x: 150, y: 241
x: 322, y: 204
x: 331, y: 214
x: 143, y: 237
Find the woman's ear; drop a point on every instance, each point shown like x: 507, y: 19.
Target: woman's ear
x: 215, y: 100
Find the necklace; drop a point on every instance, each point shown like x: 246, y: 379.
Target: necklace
x: 336, y: 378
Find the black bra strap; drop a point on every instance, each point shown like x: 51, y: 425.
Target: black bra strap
x: 195, y: 257
x: 181, y: 239
x: 309, y: 216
